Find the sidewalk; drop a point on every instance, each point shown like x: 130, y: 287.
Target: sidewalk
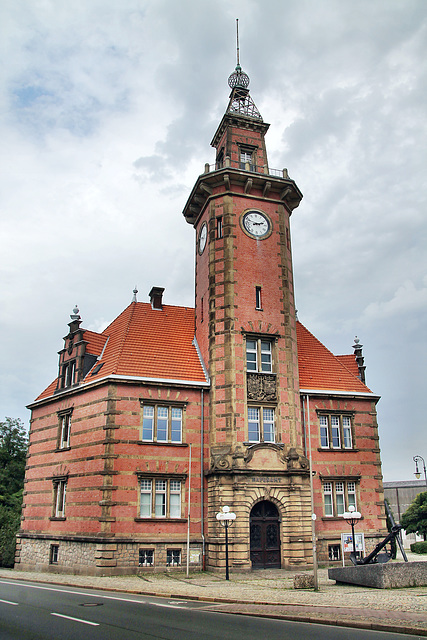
x: 270, y: 593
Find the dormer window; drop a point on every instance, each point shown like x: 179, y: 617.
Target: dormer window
x: 68, y: 373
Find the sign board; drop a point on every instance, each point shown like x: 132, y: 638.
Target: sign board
x: 194, y: 556
x: 347, y: 542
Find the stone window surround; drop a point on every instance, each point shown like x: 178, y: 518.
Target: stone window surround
x: 339, y: 413
x: 63, y: 416
x: 153, y: 476
x: 170, y: 404
x: 345, y: 480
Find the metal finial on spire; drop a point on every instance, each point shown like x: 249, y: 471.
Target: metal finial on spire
x: 237, y: 33
x: 238, y: 78
x: 135, y: 291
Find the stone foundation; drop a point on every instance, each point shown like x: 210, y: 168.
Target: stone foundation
x: 93, y: 557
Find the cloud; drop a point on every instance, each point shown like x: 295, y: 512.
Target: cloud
x: 108, y: 110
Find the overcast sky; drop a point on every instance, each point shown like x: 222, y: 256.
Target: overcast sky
x: 107, y: 111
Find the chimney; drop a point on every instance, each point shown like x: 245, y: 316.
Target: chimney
x: 156, y: 295
x: 359, y: 358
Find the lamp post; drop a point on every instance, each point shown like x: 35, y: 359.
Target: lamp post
x: 226, y: 519
x: 352, y: 517
x: 417, y: 471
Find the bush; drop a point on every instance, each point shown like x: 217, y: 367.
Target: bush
x: 9, y: 526
x: 419, y: 547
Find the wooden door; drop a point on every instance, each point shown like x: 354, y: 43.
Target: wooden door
x: 265, y: 536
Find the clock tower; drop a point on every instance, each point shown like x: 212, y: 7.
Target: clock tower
x: 246, y: 333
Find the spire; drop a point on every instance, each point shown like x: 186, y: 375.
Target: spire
x: 240, y: 100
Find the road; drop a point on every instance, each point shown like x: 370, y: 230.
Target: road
x: 30, y: 611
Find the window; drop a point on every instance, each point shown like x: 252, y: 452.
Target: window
x: 338, y: 497
x: 219, y: 227
x: 64, y: 430
x: 146, y: 557
x: 161, y: 423
x: 68, y: 373
x: 261, y: 424
x: 160, y: 498
x: 220, y: 159
x: 258, y: 302
x: 173, y: 557
x: 335, y: 432
x: 59, y: 491
x: 247, y: 157
x: 334, y: 552
x: 53, y: 553
x: 259, y: 355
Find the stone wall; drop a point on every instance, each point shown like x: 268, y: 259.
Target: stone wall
x: 95, y: 558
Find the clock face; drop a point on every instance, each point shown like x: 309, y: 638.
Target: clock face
x: 256, y: 224
x: 203, y: 237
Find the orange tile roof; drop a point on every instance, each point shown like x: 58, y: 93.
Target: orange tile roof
x: 96, y: 342
x: 147, y: 343
x: 320, y: 369
x: 349, y: 361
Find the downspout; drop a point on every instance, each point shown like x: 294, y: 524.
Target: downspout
x: 313, y: 515
x: 202, y: 500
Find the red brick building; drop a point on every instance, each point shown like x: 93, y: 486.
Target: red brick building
x: 171, y: 413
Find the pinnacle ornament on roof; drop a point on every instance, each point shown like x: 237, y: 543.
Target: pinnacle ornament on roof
x: 75, y: 314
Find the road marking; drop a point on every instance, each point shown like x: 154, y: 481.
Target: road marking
x: 59, y: 615
x: 8, y: 602
x: 168, y: 606
x: 98, y: 595
x: 76, y: 593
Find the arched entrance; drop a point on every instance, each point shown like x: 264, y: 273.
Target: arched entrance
x: 265, y: 536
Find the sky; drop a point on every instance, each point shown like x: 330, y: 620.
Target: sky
x: 107, y: 110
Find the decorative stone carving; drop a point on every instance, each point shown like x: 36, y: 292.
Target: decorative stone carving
x: 296, y: 461
x: 220, y: 458
x: 261, y: 387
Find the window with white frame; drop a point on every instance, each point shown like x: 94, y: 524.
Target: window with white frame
x: 335, y: 432
x: 338, y: 496
x: 173, y: 557
x: 160, y: 498
x: 259, y: 356
x: 146, y: 557
x: 261, y: 427
x: 64, y: 430
x: 247, y: 157
x: 59, y: 492
x: 162, y: 423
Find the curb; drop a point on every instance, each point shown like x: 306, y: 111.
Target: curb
x: 305, y: 616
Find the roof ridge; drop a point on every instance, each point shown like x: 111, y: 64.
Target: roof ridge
x: 131, y: 307
x: 336, y: 358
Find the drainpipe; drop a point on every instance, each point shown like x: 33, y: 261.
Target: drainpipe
x: 188, y: 519
x: 202, y: 501
x: 313, y: 515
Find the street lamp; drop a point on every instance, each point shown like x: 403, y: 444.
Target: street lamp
x: 226, y: 519
x: 417, y: 471
x: 352, y: 517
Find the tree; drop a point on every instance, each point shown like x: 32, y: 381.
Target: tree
x: 13, y: 454
x: 414, y: 520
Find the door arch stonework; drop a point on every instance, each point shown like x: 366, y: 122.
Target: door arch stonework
x: 264, y: 526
